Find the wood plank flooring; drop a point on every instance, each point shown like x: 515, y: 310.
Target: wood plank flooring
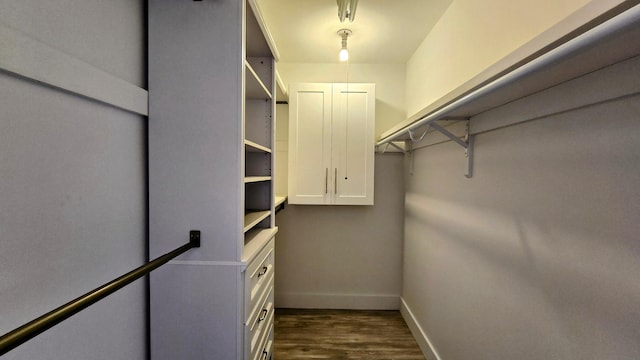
x: 343, y: 335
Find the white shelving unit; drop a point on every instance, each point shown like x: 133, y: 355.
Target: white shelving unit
x: 258, y: 144
x: 211, y: 139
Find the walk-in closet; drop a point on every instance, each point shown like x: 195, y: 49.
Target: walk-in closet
x: 327, y: 179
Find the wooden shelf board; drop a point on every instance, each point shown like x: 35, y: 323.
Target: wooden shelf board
x: 252, y: 179
x: 281, y: 89
x: 259, y: 40
x: 254, y: 87
x: 280, y: 200
x: 255, y: 240
x: 255, y: 147
x: 253, y: 218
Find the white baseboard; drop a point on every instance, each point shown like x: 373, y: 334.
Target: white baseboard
x: 421, y: 337
x: 337, y: 301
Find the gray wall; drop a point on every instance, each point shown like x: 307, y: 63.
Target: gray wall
x: 344, y: 256
x: 538, y: 255
x: 73, y: 184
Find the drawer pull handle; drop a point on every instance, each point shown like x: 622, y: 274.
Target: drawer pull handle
x: 263, y: 315
x: 263, y: 271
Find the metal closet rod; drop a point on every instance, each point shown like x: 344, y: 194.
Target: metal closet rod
x: 589, y: 37
x: 28, y: 331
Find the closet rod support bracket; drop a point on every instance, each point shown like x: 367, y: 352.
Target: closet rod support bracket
x: 467, y: 144
x: 408, y: 144
x: 449, y: 134
x: 468, y: 153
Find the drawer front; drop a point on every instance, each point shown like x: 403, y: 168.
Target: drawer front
x: 267, y: 350
x: 258, y: 279
x: 262, y: 311
x: 260, y: 324
x: 263, y: 351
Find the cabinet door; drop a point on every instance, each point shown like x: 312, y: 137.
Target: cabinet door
x: 353, y: 144
x: 309, y: 143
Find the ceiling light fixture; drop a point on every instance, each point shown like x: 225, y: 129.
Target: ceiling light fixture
x: 344, y: 53
x: 347, y: 9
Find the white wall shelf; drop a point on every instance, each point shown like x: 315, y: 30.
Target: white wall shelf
x: 44, y: 64
x: 609, y: 40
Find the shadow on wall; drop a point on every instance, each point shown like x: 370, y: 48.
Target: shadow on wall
x: 540, y: 246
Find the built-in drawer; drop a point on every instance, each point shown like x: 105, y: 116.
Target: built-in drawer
x: 265, y: 342
x: 259, y: 325
x: 267, y: 350
x: 258, y: 279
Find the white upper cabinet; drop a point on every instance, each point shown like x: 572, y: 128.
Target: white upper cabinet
x: 331, y: 144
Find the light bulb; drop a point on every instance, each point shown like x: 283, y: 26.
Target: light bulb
x: 344, y: 54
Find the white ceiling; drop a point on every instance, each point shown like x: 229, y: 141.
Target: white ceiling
x: 384, y: 31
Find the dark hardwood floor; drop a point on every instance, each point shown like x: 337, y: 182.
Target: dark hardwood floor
x: 343, y: 334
